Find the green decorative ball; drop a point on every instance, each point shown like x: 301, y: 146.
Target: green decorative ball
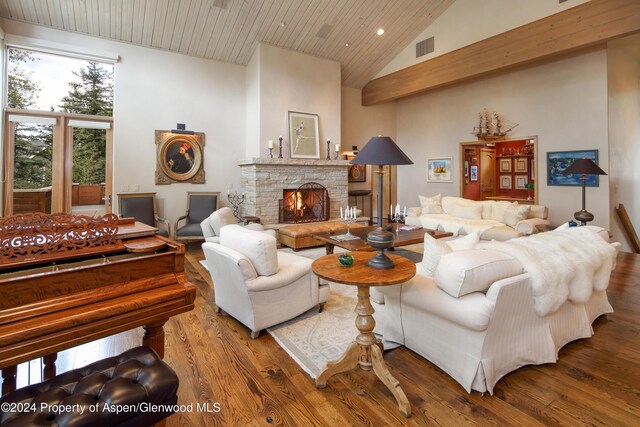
x: 346, y: 260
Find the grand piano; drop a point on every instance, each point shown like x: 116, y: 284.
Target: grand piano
x: 66, y: 280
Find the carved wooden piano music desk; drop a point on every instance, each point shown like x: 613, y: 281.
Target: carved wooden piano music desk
x: 66, y: 280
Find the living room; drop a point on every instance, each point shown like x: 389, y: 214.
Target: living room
x: 568, y: 102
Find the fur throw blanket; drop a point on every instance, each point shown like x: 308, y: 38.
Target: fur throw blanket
x: 563, y: 264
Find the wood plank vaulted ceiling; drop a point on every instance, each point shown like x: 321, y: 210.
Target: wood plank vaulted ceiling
x: 230, y: 30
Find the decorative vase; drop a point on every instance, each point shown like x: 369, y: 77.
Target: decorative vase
x: 346, y: 260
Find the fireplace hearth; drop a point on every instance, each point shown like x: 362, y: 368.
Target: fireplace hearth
x: 307, y: 203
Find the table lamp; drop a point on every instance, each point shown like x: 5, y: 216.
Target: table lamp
x: 583, y: 167
x: 380, y: 151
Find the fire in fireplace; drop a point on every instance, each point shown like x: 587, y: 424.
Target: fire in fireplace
x: 307, y: 203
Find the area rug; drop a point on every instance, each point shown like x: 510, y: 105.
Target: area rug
x: 313, y: 338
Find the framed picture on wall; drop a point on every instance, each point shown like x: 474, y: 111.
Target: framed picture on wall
x: 357, y: 173
x: 532, y: 170
x: 304, y: 137
x: 505, y: 182
x: 520, y: 165
x: 558, y: 161
x: 179, y: 158
x: 474, y: 173
x: 521, y: 182
x: 439, y: 170
x: 505, y: 165
x: 466, y: 168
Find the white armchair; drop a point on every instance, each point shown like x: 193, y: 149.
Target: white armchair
x: 256, y: 284
x: 213, y: 223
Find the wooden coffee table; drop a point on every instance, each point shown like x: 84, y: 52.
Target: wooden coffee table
x: 365, y: 351
x: 401, y: 238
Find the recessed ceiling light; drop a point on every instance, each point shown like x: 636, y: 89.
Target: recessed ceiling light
x: 380, y: 31
x: 347, y: 44
x: 282, y: 24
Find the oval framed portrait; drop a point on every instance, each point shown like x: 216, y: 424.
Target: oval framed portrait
x: 179, y: 158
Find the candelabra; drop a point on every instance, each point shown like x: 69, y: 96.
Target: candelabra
x: 236, y: 200
x: 350, y: 216
x: 280, y: 148
x: 328, y: 149
x: 396, y: 219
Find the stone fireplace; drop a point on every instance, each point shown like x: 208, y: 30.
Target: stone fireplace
x: 264, y: 181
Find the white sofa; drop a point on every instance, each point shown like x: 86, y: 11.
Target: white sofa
x: 257, y: 284
x: 481, y: 315
x: 495, y: 220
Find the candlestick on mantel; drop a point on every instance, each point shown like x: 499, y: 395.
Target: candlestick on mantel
x: 280, y: 147
x: 337, y: 151
x: 328, y: 149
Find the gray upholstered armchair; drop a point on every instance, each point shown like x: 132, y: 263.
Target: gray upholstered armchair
x: 142, y: 207
x: 199, y: 207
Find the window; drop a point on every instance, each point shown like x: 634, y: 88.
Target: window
x: 59, y: 112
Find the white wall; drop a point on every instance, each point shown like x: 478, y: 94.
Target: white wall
x: 624, y: 132
x: 360, y: 124
x: 156, y: 90
x: 562, y: 101
x: 468, y: 21
x: 291, y: 81
x: 252, y: 139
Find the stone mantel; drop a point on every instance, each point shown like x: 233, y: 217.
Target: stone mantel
x: 291, y: 162
x: 263, y: 179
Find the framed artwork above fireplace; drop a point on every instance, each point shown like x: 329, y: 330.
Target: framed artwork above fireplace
x: 304, y: 138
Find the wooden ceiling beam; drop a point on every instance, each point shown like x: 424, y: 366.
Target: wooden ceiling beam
x: 588, y: 24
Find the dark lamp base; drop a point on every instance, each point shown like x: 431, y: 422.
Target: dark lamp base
x: 381, y: 240
x: 583, y: 216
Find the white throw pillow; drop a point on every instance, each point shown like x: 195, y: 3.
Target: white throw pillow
x: 435, y: 248
x: 463, y: 272
x: 257, y: 246
x: 497, y: 211
x: 515, y: 213
x: 468, y: 211
x: 431, y: 205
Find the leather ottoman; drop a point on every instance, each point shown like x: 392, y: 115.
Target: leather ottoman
x: 104, y: 393
x: 298, y: 236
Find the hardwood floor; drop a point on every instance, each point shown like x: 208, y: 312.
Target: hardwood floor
x: 255, y: 382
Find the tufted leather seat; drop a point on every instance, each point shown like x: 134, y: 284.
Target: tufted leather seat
x: 136, y: 376
x: 299, y: 236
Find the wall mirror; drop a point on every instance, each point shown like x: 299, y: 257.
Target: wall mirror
x: 504, y: 169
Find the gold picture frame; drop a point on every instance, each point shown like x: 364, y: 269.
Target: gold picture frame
x: 179, y: 157
x: 521, y: 182
x: 505, y: 182
x: 520, y: 165
x: 505, y: 165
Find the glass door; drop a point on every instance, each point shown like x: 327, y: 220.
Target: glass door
x: 57, y: 163
x: 32, y: 183
x: 89, y: 152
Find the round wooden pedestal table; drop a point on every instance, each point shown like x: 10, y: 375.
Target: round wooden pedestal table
x: 365, y: 351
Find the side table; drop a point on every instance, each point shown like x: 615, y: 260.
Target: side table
x: 365, y: 351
